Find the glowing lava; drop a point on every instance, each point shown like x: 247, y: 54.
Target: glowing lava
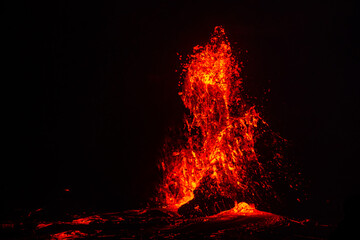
x: 218, y: 154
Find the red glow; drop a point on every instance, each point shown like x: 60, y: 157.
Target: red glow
x: 219, y: 130
x: 68, y: 235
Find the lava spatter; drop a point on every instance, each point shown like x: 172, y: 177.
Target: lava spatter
x: 218, y: 159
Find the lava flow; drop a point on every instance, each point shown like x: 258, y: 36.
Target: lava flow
x: 217, y: 160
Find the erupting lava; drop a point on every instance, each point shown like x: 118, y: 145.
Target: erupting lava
x: 218, y: 157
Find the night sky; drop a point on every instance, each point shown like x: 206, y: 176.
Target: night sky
x: 90, y: 90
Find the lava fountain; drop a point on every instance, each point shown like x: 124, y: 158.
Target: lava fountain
x: 217, y: 161
x: 214, y: 171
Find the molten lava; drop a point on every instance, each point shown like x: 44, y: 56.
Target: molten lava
x: 218, y: 157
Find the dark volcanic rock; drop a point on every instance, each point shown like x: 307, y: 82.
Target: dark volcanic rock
x: 207, y: 201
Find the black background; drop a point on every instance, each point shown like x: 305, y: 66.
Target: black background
x: 90, y: 90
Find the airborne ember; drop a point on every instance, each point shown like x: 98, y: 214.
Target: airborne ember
x: 218, y: 158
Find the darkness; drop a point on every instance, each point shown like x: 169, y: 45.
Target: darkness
x: 90, y: 90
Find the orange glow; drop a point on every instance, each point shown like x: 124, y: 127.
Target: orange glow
x: 219, y: 130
